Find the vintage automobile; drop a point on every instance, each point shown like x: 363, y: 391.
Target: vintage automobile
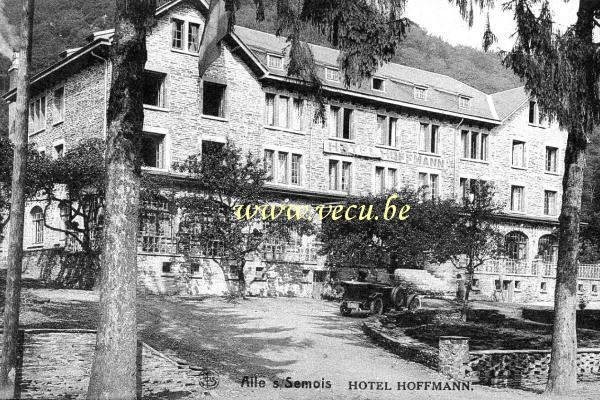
x: 376, y: 297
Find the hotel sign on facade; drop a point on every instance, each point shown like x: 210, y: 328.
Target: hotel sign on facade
x: 399, y: 156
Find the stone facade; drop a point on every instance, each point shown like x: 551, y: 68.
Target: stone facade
x: 180, y: 124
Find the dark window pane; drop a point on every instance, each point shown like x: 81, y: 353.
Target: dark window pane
x: 213, y: 99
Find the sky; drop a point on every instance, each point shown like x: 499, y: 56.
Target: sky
x: 440, y: 18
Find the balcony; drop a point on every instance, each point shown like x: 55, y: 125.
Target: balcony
x: 534, y: 268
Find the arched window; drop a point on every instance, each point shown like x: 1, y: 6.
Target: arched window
x: 516, y: 244
x: 37, y: 216
x: 548, y: 248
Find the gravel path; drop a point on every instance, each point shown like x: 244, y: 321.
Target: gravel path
x: 306, y: 340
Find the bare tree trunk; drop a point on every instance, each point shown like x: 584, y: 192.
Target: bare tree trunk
x: 241, y: 278
x: 562, y: 377
x: 17, y: 210
x: 113, y: 374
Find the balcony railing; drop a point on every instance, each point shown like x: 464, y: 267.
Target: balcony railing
x: 534, y: 268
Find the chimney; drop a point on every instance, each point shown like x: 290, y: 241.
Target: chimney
x: 12, y: 71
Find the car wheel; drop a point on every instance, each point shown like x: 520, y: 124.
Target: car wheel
x: 397, y: 297
x: 414, y: 304
x: 345, y: 311
x: 377, y: 306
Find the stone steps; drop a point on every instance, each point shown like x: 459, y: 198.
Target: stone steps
x: 425, y: 281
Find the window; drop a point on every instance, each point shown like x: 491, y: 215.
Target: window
x: 535, y: 117
x: 346, y: 183
x: 332, y: 74
x: 580, y: 287
x: 516, y: 245
x: 475, y: 283
x: 59, y: 150
x: 497, y: 284
x: 185, y: 35
x: 333, y: 174
x: 543, y: 286
x: 379, y: 180
x: 195, y: 268
x: 518, y: 154
x: 551, y: 159
x: 193, y: 37
x: 166, y: 267
x: 269, y: 157
x: 431, y: 184
x: 474, y: 145
x: 152, y: 151
x: 465, y: 188
x: 274, y: 61
x: 37, y: 114
x: 517, y: 285
x: 340, y: 122
x: 154, y: 89
x: 378, y: 84
x: 284, y: 112
x: 65, y: 216
x: 282, y: 168
x: 420, y: 93
x: 37, y: 217
x: 296, y: 169
x: 213, y: 99
x: 211, y: 149
x: 594, y: 288
x: 429, y: 138
x: 392, y: 179
x: 340, y: 180
x: 464, y: 102
x: 549, y: 202
x: 386, y: 128
x: 177, y: 34
x: 548, y: 248
x: 58, y: 109
x: 517, y: 198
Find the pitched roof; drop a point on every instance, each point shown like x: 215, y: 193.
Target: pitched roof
x: 507, y: 101
x: 443, y: 91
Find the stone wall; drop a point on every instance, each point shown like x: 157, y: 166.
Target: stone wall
x: 59, y: 268
x: 56, y: 364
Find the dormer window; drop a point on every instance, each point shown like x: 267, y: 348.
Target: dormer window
x: 420, y: 93
x: 274, y: 61
x: 464, y: 102
x: 185, y: 35
x: 332, y: 74
x: 378, y: 84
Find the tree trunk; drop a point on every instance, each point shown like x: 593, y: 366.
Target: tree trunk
x: 562, y: 377
x: 17, y: 210
x: 241, y: 278
x: 113, y: 374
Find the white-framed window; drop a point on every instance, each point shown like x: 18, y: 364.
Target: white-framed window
x: 378, y: 84
x: 214, y: 99
x: 387, y: 130
x: 283, y: 167
x: 154, y: 89
x: 274, y: 61
x: 37, y: 219
x: 392, y: 179
x: 464, y: 102
x: 429, y: 138
x: 284, y: 111
x: 535, y: 117
x: 518, y: 154
x: 517, y: 198
x: 431, y: 184
x: 37, y: 114
x: 65, y: 216
x: 474, y: 145
x: 185, y: 35
x: 379, y: 180
x: 152, y: 150
x: 420, y: 93
x: 340, y: 175
x: 551, y: 153
x: 465, y: 187
x: 550, y: 202
x: 340, y: 122
x: 58, y: 105
x: 332, y: 74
